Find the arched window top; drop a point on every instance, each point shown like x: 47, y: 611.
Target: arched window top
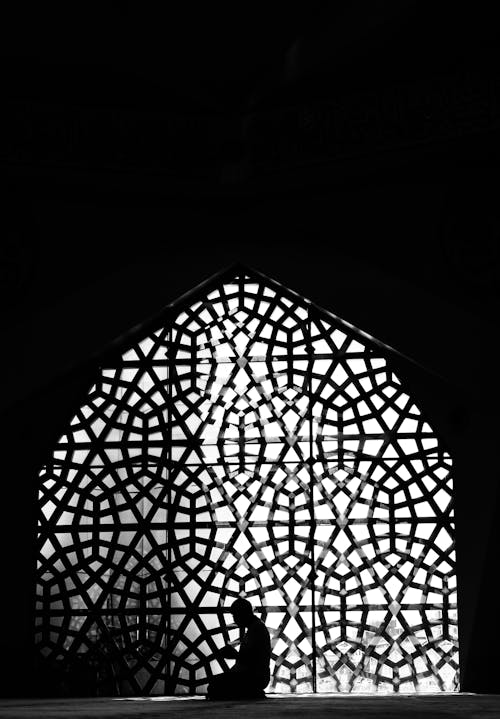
x: 250, y: 443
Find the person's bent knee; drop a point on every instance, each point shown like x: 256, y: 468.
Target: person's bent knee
x: 236, y: 685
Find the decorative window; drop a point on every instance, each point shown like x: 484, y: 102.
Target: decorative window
x: 250, y: 444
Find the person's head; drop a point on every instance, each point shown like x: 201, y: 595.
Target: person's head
x: 242, y: 612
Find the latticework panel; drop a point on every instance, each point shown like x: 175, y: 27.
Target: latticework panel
x: 251, y: 445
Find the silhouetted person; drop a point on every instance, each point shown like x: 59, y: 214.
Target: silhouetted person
x: 250, y: 674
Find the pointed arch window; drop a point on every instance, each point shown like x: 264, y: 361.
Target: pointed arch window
x: 250, y: 443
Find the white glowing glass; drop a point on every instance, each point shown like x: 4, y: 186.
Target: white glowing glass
x: 251, y: 445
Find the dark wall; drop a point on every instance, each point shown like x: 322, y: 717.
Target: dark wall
x: 348, y: 153
x: 86, y: 268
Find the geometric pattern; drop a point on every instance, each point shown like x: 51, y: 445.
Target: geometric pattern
x: 249, y: 444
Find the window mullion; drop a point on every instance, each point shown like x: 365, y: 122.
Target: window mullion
x: 312, y: 575
x: 169, y: 689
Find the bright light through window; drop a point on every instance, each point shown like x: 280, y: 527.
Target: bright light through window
x: 250, y: 445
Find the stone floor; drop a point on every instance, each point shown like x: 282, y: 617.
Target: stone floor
x: 335, y: 706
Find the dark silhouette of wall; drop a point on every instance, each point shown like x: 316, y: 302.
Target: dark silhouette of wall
x: 369, y: 254
x: 363, y: 177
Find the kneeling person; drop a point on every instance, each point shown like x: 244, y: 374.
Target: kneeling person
x: 250, y: 675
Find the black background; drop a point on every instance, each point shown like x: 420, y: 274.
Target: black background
x: 144, y: 149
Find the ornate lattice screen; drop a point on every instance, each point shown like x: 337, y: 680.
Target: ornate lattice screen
x: 250, y: 444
